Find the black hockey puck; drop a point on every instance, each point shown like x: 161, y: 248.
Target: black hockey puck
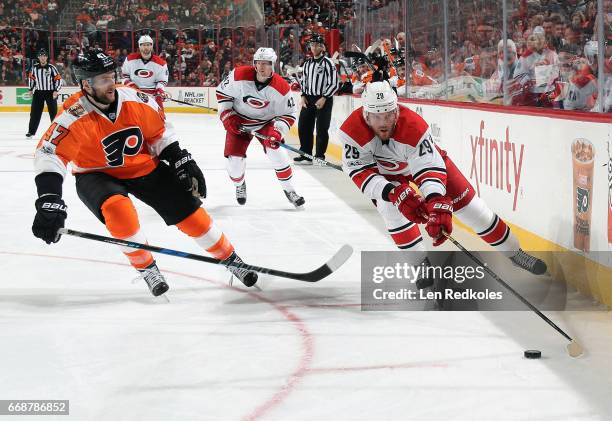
x: 533, y: 354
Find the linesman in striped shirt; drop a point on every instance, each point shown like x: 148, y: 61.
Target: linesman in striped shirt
x: 44, y: 82
x: 319, y: 83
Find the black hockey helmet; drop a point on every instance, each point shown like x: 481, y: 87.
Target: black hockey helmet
x: 358, y: 61
x: 42, y: 52
x: 316, y: 38
x: 92, y: 63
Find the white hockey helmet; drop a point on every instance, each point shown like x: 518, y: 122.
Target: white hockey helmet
x: 145, y: 39
x: 591, y: 51
x: 264, y: 54
x: 378, y: 97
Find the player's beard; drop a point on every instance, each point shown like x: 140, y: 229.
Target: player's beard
x: 384, y: 135
x: 105, y: 97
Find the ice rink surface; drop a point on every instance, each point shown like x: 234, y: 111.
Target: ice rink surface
x: 74, y: 325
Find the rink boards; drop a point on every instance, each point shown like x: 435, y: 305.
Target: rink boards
x: 519, y: 161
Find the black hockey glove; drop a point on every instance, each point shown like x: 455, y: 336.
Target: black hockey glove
x: 185, y: 168
x: 50, y: 216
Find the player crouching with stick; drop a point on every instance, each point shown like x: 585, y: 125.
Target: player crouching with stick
x: 386, y: 147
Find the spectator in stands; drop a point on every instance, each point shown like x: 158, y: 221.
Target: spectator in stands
x: 494, y: 87
x: 538, y: 69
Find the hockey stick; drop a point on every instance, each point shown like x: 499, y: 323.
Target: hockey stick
x: 319, y: 273
x: 177, y: 100
x: 573, y: 348
x: 299, y: 152
x: 193, y: 105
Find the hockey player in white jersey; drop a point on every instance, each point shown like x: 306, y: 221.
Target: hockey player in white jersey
x: 255, y: 98
x: 146, y: 71
x: 386, y: 147
x: 580, y: 82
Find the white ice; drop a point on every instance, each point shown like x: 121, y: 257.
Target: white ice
x: 74, y: 326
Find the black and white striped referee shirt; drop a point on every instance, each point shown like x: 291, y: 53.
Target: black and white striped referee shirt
x: 319, y: 77
x: 44, y: 78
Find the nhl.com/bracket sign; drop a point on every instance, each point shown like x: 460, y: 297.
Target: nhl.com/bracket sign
x: 193, y: 96
x: 496, y: 163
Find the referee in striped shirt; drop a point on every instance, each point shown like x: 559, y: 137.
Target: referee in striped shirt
x: 319, y: 83
x: 45, y: 82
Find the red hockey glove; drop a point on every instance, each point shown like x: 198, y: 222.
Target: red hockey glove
x: 440, y: 212
x: 409, y: 203
x: 160, y: 93
x: 231, y: 121
x: 274, y: 137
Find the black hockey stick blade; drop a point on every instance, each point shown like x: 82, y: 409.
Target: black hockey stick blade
x: 316, y: 275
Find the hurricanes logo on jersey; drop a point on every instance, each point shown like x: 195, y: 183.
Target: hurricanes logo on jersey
x: 390, y: 165
x: 124, y: 142
x: 255, y: 102
x: 143, y: 73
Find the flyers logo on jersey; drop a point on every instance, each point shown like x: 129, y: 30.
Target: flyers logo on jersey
x: 124, y: 142
x: 143, y: 73
x: 255, y: 102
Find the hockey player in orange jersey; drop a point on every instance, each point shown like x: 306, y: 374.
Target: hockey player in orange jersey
x: 116, y: 140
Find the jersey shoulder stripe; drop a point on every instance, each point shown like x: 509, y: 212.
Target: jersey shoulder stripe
x: 127, y: 94
x: 279, y: 84
x: 133, y: 56
x: 246, y: 73
x: 410, y: 127
x: 72, y: 110
x: 157, y: 59
x: 357, y: 129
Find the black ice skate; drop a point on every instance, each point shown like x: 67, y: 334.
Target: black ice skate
x: 295, y: 199
x: 528, y: 262
x: 247, y: 277
x: 154, y: 279
x: 241, y: 193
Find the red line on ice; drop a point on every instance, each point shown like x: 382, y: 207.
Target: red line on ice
x: 307, y: 338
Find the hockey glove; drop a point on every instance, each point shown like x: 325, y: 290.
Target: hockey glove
x: 185, y: 169
x: 163, y: 95
x: 408, y: 202
x: 440, y: 213
x: 273, y: 137
x: 231, y: 121
x: 50, y: 216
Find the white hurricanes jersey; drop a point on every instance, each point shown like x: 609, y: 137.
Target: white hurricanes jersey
x: 581, y: 94
x: 542, y: 68
x: 410, y: 154
x: 148, y: 75
x: 257, y: 107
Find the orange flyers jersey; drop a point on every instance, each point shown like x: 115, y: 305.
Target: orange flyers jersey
x: 85, y: 137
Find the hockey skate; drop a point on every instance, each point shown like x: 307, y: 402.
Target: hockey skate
x: 247, y: 277
x: 528, y: 262
x: 297, y: 200
x: 154, y: 279
x: 241, y: 194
